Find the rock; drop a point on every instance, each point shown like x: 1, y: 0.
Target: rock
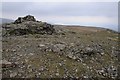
x: 110, y: 72
x: 13, y: 74
x: 41, y: 45
x: 88, y: 51
x: 60, y: 64
x: 14, y: 50
x: 72, y: 44
x: 57, y: 74
x: 19, y: 74
x: 6, y: 64
x: 76, y: 70
x: 31, y: 54
x: 58, y: 47
x: 23, y: 19
x: 102, y: 53
x: 70, y: 55
x: 85, y: 77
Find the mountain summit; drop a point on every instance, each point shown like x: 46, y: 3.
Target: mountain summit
x: 27, y: 25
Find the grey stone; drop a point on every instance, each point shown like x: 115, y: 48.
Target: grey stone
x: 13, y: 74
x: 57, y: 74
x: 7, y: 64
x: 58, y: 47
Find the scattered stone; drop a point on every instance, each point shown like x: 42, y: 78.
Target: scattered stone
x: 102, y: 53
x: 57, y: 74
x: 31, y: 54
x: 76, y: 70
x: 88, y: 51
x: 13, y: 74
x: 14, y: 50
x: 110, y: 72
x: 41, y: 45
x: 58, y: 47
x: 7, y: 64
x: 70, y: 56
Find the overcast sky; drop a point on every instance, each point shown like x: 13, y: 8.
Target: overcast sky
x: 101, y: 14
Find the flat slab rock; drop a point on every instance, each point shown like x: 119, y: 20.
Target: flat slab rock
x: 7, y: 64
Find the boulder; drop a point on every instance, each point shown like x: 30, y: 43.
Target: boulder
x: 23, y: 19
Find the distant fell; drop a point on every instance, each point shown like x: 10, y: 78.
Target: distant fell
x: 5, y: 20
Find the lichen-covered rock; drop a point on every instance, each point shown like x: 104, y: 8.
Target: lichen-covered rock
x: 27, y: 25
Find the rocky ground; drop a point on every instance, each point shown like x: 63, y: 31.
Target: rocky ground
x: 35, y: 49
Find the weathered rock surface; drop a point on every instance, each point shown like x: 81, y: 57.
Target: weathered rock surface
x: 24, y: 19
x: 27, y: 25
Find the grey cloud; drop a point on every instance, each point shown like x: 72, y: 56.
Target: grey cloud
x: 62, y: 8
x: 15, y: 7
x: 79, y: 9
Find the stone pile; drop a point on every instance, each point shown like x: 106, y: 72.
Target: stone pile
x: 27, y: 25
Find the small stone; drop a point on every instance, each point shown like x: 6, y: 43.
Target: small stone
x: 13, y: 74
x: 74, y: 57
x: 41, y: 45
x: 28, y: 66
x: 84, y: 64
x: 5, y: 62
x: 70, y: 55
x: 72, y: 44
x: 76, y: 70
x: 85, y: 76
x: 64, y: 60
x: 20, y: 55
x: 19, y: 74
x: 60, y: 64
x: 58, y: 47
x: 31, y: 54
x: 14, y: 50
x: 102, y: 53
x: 57, y: 74
x: 26, y: 60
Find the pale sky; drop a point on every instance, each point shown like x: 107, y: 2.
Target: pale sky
x: 100, y: 14
x: 60, y: 0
